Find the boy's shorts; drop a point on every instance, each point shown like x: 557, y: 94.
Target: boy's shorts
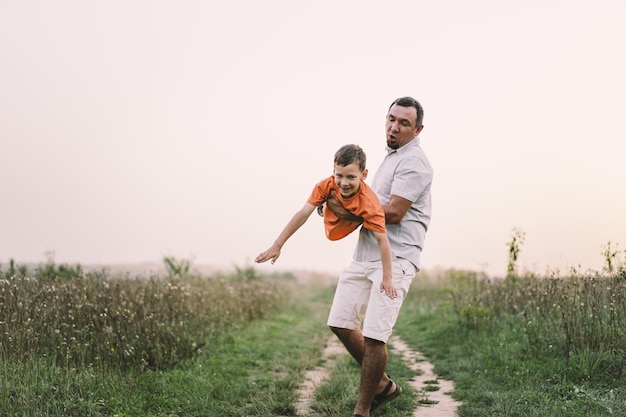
x: 358, y: 298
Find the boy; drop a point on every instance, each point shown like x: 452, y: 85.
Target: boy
x: 347, y: 185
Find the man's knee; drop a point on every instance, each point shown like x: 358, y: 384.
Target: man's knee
x: 343, y: 334
x: 337, y: 330
x: 373, y: 342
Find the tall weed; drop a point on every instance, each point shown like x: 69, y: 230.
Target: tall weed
x: 572, y: 315
x: 95, y: 320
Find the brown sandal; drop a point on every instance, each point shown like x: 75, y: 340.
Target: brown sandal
x: 384, y: 397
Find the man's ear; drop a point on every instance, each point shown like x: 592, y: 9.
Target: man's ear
x: 418, y: 130
x: 364, y: 173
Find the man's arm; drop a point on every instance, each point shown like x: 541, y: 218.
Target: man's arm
x: 396, y: 209
x: 334, y: 205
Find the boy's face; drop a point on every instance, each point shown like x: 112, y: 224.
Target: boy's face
x: 348, y: 179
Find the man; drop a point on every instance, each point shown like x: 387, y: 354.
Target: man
x: 402, y: 184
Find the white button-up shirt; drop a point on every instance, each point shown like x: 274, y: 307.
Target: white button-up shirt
x: 405, y: 172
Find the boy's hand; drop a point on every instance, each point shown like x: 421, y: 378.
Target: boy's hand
x: 272, y: 253
x: 389, y: 289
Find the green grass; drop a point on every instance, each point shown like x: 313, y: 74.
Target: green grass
x: 76, y: 344
x: 498, y: 368
x: 253, y: 370
x: 339, y: 395
x: 83, y: 320
x: 501, y: 343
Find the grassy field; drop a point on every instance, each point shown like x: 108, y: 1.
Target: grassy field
x: 239, y: 345
x: 524, y: 346
x: 89, y: 344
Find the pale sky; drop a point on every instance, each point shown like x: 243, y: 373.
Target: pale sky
x: 131, y: 130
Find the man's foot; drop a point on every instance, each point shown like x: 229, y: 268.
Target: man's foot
x: 384, y: 397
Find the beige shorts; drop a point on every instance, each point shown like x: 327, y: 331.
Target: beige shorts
x: 359, y: 301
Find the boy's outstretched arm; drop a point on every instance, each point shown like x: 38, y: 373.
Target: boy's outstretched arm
x: 385, y: 255
x: 294, y: 224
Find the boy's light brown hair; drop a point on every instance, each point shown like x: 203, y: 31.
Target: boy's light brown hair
x: 351, y: 154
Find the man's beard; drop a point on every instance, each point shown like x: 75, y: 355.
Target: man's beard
x: 393, y: 145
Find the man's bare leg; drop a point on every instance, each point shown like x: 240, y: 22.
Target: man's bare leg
x: 353, y: 341
x: 372, y: 356
x: 372, y: 372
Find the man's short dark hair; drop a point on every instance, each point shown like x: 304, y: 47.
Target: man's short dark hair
x: 411, y: 102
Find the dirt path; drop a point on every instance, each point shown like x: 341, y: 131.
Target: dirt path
x: 316, y: 377
x: 432, y: 391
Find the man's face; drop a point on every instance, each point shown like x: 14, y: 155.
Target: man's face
x: 348, y: 179
x: 401, y: 126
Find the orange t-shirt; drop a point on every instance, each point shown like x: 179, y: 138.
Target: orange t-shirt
x: 364, y: 203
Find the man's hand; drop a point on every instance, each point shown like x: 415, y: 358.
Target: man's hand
x: 334, y: 205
